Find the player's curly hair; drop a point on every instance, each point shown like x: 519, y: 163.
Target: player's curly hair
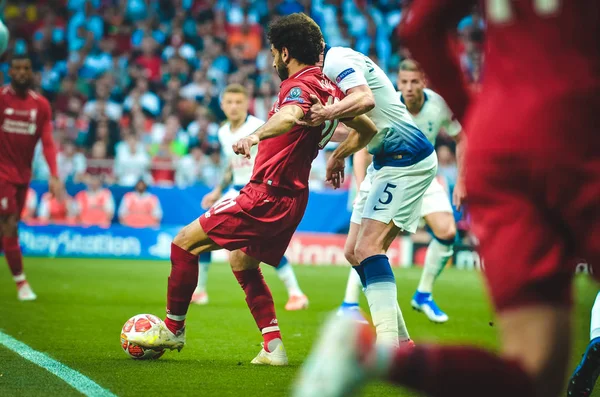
x: 300, y: 35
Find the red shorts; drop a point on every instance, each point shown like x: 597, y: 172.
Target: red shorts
x: 12, y: 198
x: 260, y: 221
x: 534, y: 219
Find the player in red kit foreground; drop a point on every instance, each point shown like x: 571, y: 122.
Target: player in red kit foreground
x: 258, y: 224
x: 533, y: 181
x: 25, y: 118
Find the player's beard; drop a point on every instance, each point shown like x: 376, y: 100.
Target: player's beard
x: 21, y: 85
x: 282, y: 69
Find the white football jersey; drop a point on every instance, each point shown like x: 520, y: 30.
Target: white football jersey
x: 348, y: 69
x: 435, y: 115
x: 242, y: 167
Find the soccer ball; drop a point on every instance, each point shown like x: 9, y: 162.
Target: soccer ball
x: 138, y: 324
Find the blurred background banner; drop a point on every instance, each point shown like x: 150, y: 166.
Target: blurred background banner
x: 327, y: 211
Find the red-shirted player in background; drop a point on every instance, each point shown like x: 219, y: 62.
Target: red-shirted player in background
x: 533, y: 179
x: 258, y: 224
x: 25, y: 118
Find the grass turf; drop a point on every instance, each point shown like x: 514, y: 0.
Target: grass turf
x: 83, y: 303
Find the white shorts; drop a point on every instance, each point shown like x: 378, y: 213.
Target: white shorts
x: 436, y: 199
x: 395, y: 194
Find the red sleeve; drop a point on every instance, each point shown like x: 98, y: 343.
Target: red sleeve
x: 295, y: 93
x: 425, y: 31
x: 47, y: 140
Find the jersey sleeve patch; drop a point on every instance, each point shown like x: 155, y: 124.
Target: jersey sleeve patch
x: 344, y: 74
x: 294, y: 95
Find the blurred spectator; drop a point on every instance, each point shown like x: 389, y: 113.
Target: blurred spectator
x: 149, y: 60
x: 95, y: 205
x: 59, y: 209
x: 31, y: 202
x: 447, y: 168
x: 248, y: 38
x: 198, y: 89
x: 172, y: 135
x: 189, y: 168
x: 141, y: 98
x: 203, y: 131
x: 163, y: 164
x: 71, y: 164
x: 105, y: 132
x: 101, y: 105
x: 99, y: 164
x: 69, y: 100
x: 212, y: 172
x: 139, y: 208
x: 132, y: 162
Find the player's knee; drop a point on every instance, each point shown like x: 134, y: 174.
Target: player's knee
x: 349, y: 254
x: 447, y: 232
x: 181, y: 240
x: 365, y: 250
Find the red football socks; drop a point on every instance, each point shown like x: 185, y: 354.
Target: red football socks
x: 182, y: 282
x: 12, y: 252
x: 459, y: 371
x: 260, y: 302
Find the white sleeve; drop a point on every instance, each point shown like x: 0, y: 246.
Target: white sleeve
x: 450, y: 124
x: 345, y: 71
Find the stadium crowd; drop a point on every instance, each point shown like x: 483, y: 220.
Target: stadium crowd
x: 134, y: 84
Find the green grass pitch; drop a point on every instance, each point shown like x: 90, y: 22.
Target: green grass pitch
x: 83, y: 303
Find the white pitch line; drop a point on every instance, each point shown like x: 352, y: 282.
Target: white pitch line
x: 78, y: 381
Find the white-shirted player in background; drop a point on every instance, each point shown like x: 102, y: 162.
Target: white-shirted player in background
x: 404, y: 164
x: 431, y: 114
x: 240, y: 124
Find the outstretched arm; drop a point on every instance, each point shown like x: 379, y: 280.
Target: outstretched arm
x: 280, y: 123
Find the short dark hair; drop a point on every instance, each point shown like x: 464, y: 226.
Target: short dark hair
x: 20, y: 57
x: 300, y: 35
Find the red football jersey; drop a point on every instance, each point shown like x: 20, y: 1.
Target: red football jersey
x: 23, y: 121
x: 541, y: 68
x: 285, y: 161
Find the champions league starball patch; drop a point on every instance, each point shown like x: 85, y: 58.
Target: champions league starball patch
x: 294, y: 95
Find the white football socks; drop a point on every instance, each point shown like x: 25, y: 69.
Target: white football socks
x: 203, y: 276
x: 435, y: 260
x: 595, y: 320
x: 383, y: 303
x: 353, y: 288
x: 288, y: 277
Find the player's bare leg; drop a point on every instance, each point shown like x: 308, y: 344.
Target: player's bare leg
x: 439, y: 251
x: 260, y: 302
x: 354, y: 285
x: 12, y: 252
x: 374, y: 239
x: 187, y: 245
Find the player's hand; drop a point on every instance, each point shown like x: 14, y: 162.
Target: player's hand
x: 459, y: 194
x: 55, y: 185
x: 316, y: 115
x: 210, y: 199
x: 243, y: 146
x: 334, y: 173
